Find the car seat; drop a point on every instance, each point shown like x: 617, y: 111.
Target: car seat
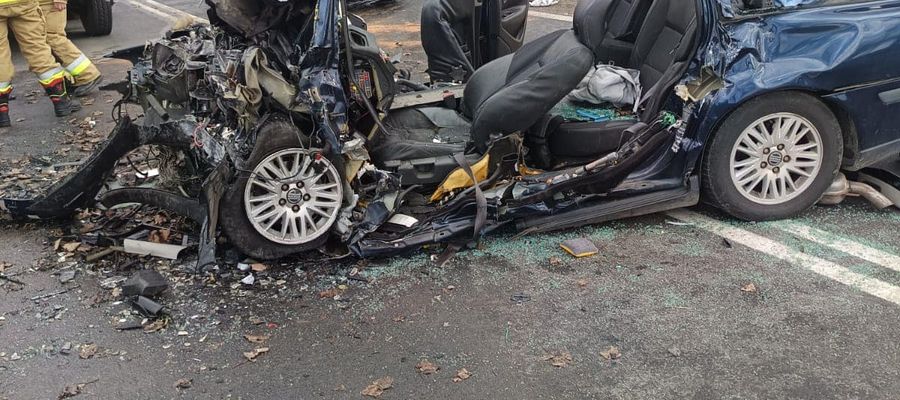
x: 504, y: 96
x: 664, y: 44
x: 515, y: 92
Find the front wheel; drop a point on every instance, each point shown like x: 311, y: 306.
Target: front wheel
x: 286, y: 203
x: 773, y: 158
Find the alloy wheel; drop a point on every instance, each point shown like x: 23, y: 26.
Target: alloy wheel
x: 293, y: 196
x: 776, y: 158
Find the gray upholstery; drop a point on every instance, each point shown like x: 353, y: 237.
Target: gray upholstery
x: 626, y: 19
x: 590, y: 22
x: 540, y: 74
x: 666, y: 37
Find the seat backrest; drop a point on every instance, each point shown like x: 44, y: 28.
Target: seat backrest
x: 513, y: 92
x: 626, y: 19
x: 666, y: 37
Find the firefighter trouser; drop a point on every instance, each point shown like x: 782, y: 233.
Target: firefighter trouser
x: 73, y: 60
x: 26, y: 21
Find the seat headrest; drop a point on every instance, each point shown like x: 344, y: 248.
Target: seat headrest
x: 591, y: 21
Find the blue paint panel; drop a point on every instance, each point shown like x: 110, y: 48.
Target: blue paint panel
x: 822, y: 50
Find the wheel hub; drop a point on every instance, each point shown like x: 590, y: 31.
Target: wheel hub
x: 294, y: 196
x: 775, y: 158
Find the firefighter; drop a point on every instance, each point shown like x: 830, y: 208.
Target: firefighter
x: 26, y: 21
x: 82, y: 70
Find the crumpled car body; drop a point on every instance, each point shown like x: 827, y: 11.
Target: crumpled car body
x: 283, y: 117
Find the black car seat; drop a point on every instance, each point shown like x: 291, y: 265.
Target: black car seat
x: 507, y: 95
x: 662, y: 48
x: 624, y: 24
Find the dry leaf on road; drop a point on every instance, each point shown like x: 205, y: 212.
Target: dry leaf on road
x: 582, y: 282
x: 612, y: 353
x: 70, y: 391
x: 157, y: 325
x: 330, y: 293
x: 256, y: 338
x: 462, y: 375
x: 258, y: 267
x: 183, y: 383
x: 88, y: 351
x: 378, y: 387
x: 71, y: 247
x: 559, y: 360
x: 426, y: 367
x: 749, y: 288
x: 251, y: 355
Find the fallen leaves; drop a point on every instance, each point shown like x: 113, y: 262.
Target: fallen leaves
x: 749, y: 288
x: 74, y: 390
x: 461, y: 375
x: 71, y: 247
x: 560, y: 360
x: 253, y: 354
x: 159, y: 236
x: 426, y: 367
x: 256, y: 338
x: 378, y: 387
x: 183, y: 383
x: 87, y: 351
x: 583, y: 282
x: 331, y: 293
x: 157, y: 325
x: 257, y: 267
x: 612, y: 353
x: 70, y: 391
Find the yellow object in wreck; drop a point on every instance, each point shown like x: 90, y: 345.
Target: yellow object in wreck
x: 459, y: 179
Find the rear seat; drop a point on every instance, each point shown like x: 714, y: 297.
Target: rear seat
x: 623, y: 29
x: 665, y: 39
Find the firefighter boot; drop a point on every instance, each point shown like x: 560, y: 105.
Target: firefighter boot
x: 4, y: 110
x: 62, y: 104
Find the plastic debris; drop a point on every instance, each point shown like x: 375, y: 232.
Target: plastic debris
x: 147, y: 307
x: 145, y: 283
x: 142, y: 248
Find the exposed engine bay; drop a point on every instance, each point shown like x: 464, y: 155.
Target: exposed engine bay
x: 286, y: 113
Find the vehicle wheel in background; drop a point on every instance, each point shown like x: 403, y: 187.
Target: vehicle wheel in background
x: 96, y: 16
x: 773, y: 157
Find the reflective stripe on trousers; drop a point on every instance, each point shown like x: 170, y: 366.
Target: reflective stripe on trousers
x: 79, y: 65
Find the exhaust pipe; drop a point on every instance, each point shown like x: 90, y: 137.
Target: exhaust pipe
x: 842, y: 187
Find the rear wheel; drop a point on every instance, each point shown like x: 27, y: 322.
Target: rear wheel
x: 96, y: 16
x: 288, y: 200
x: 773, y: 158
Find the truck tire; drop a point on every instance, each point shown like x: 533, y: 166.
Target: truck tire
x: 96, y: 16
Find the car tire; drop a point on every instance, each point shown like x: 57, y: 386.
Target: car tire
x: 772, y: 158
x: 96, y: 17
x: 271, y: 139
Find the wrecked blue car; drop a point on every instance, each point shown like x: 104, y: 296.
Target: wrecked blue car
x: 305, y: 136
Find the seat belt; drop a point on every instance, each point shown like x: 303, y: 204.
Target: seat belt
x: 480, y: 200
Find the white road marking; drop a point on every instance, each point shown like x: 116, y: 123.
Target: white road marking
x: 558, y: 17
x: 164, y: 11
x: 842, y: 244
x: 822, y: 267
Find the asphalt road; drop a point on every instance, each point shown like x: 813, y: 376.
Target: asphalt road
x: 697, y: 305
